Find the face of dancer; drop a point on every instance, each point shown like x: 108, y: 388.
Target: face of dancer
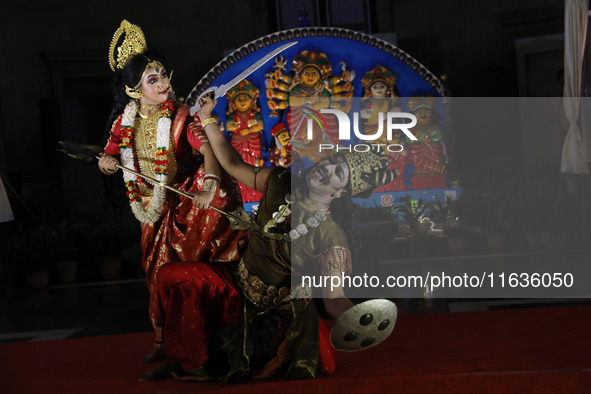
x: 155, y: 86
x: 242, y: 102
x: 328, y: 177
x: 379, y: 89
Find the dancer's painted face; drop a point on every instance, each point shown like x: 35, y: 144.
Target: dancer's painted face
x: 155, y: 86
x: 328, y: 177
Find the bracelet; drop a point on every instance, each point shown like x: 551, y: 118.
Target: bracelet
x: 212, y: 176
x: 208, y: 121
x: 211, y: 183
x: 256, y: 171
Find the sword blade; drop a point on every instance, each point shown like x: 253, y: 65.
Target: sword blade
x: 220, y: 91
x: 227, y: 86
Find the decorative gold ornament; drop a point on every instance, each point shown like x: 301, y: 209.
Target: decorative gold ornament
x: 243, y: 86
x: 378, y: 74
x: 316, y: 59
x: 211, y: 183
x: 133, y: 93
x: 162, y: 170
x: 209, y: 121
x: 134, y: 43
x: 367, y: 172
x: 149, y: 107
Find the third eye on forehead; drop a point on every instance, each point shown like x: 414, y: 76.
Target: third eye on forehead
x: 157, y: 72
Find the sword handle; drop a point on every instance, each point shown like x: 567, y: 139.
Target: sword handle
x: 212, y: 92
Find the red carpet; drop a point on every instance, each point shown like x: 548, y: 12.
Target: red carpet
x: 539, y: 350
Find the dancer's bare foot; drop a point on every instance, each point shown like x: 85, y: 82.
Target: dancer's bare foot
x: 160, y: 372
x: 157, y: 354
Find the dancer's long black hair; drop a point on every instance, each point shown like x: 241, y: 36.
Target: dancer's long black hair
x: 130, y: 76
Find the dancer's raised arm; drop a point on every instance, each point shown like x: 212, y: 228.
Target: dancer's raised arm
x: 251, y: 176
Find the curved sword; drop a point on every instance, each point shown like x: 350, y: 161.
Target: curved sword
x: 220, y: 91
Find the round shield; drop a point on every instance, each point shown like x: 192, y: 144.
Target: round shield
x: 364, y: 325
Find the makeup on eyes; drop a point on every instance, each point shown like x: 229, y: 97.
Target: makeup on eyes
x: 153, y: 78
x: 340, y: 172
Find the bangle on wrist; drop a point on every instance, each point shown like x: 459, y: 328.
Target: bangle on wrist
x: 212, y: 176
x: 208, y: 121
x: 210, y: 185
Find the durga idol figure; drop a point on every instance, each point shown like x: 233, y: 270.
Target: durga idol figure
x: 244, y: 121
x: 309, y: 88
x: 380, y: 96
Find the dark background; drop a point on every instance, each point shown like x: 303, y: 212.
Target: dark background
x: 55, y: 78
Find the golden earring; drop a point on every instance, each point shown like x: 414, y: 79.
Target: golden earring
x: 135, y: 94
x: 170, y: 81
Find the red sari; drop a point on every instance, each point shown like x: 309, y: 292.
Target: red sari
x: 213, y: 330
x: 197, y: 300
x: 184, y: 232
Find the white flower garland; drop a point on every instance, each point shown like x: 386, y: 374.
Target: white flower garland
x: 152, y: 214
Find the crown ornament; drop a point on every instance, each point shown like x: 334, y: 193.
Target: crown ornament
x: 378, y: 74
x: 134, y: 43
x: 245, y: 87
x: 367, y: 172
x: 315, y: 59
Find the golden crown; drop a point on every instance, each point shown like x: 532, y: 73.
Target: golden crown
x: 133, y: 44
x: 242, y: 87
x: 378, y: 74
x: 312, y: 58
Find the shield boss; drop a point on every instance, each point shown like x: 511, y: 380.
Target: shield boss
x: 364, y: 325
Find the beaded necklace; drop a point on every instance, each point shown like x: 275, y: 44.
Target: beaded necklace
x: 301, y: 229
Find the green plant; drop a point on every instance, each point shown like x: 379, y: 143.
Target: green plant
x: 414, y: 213
x: 375, y: 213
x: 446, y: 212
